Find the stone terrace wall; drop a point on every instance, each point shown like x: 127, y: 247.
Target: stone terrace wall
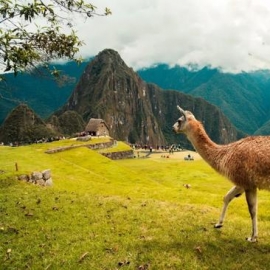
x: 119, y: 155
x: 91, y: 146
x: 96, y: 146
x: 101, y: 145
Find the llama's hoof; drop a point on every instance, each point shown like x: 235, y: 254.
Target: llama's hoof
x: 218, y: 226
x: 252, y: 239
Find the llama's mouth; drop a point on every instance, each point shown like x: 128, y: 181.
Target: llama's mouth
x: 176, y: 131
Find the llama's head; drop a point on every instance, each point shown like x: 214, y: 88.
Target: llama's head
x: 182, y: 123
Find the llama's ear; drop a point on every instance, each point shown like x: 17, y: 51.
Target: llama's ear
x: 181, y: 111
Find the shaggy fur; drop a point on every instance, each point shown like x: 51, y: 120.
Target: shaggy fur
x: 245, y: 162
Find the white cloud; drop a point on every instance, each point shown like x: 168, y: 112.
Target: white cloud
x: 233, y: 35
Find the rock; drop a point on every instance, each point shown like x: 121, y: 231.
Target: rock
x: 84, y: 138
x: 24, y: 177
x: 36, y: 176
x: 46, y: 174
x: 40, y: 182
x: 49, y: 182
x: 32, y: 180
x: 40, y: 178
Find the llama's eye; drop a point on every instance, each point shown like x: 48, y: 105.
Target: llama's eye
x: 179, y: 122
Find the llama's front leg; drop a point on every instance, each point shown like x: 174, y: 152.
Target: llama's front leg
x: 251, y: 197
x: 233, y: 192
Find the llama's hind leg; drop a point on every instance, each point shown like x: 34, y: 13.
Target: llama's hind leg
x: 233, y: 192
x: 251, y: 197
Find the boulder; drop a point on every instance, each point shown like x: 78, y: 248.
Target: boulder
x: 49, y: 182
x: 46, y: 174
x: 36, y: 176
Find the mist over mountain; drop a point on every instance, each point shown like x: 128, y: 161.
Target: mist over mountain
x: 137, y: 111
x: 244, y: 98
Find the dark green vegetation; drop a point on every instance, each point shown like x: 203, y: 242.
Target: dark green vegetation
x: 41, y: 93
x: 244, y: 98
x: 24, y: 126
x: 133, y: 110
x: 136, y: 111
x: 128, y: 214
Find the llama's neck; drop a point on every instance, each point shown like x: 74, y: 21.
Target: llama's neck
x: 207, y: 149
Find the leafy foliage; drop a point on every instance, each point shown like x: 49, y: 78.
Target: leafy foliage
x: 34, y: 32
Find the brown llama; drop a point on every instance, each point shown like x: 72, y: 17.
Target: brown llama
x: 245, y: 162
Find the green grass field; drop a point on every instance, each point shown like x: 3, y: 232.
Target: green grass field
x: 126, y: 214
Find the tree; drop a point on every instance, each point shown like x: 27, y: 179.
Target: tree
x: 33, y: 32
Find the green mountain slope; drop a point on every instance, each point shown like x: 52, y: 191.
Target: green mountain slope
x: 23, y: 126
x: 136, y: 111
x: 43, y: 94
x: 243, y: 98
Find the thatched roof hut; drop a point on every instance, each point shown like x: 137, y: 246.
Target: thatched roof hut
x: 97, y: 127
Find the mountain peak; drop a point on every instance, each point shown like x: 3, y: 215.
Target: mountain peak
x: 134, y: 110
x: 110, y: 58
x: 109, y: 53
x: 23, y: 126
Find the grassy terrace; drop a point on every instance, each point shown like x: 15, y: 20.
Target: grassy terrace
x: 126, y: 214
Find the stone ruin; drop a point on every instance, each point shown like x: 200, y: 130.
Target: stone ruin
x: 42, y: 178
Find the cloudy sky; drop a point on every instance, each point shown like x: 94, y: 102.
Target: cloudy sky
x: 230, y: 34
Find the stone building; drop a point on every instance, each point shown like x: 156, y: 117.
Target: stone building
x: 97, y: 127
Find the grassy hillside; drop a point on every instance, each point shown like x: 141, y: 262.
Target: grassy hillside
x: 128, y: 214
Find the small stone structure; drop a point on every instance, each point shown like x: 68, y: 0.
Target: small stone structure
x: 42, y: 178
x: 97, y: 127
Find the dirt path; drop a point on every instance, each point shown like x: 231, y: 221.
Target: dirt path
x: 165, y: 154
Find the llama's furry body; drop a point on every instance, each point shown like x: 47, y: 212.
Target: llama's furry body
x: 245, y: 162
